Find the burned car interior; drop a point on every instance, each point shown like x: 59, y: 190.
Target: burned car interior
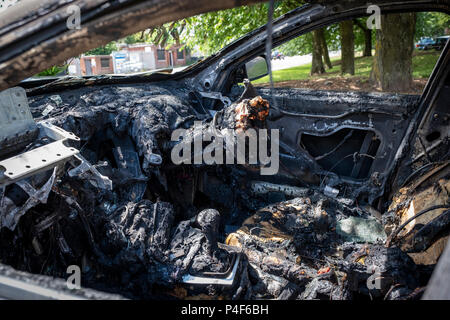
x: 87, y: 178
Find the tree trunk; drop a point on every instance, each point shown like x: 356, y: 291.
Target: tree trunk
x: 317, y: 63
x: 392, y: 67
x: 347, y: 47
x: 368, y: 43
x: 367, y: 38
x: 324, y: 49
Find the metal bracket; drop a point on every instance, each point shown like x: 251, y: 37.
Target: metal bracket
x: 17, y: 119
x: 40, y: 159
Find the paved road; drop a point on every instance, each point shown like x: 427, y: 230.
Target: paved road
x: 287, y: 62
x: 295, y: 61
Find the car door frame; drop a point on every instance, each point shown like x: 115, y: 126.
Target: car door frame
x: 314, y: 16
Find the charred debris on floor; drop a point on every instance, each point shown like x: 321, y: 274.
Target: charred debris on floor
x: 109, y: 200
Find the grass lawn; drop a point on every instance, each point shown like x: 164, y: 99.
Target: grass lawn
x: 423, y: 64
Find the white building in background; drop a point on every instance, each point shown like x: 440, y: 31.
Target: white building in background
x: 143, y: 57
x: 74, y: 68
x: 129, y: 59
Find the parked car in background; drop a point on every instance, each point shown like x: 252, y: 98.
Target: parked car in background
x: 440, y: 42
x: 425, y: 44
x: 276, y: 55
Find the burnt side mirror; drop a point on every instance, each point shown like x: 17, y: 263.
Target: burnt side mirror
x: 257, y: 68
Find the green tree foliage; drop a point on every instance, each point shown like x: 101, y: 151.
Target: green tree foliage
x: 105, y: 50
x: 301, y: 45
x: 133, y: 38
x: 52, y: 71
x: 212, y: 31
x: 165, y: 35
x: 431, y: 24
